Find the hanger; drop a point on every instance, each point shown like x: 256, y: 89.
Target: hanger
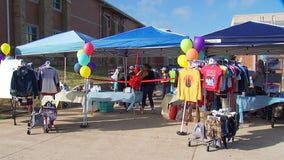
x: 211, y: 61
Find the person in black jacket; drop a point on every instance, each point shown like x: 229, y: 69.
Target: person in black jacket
x: 147, y: 88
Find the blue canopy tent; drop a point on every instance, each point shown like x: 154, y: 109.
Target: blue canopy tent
x: 55, y: 45
x: 246, y: 38
x: 69, y: 41
x: 149, y: 40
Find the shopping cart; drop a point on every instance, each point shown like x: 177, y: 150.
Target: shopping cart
x: 44, y: 117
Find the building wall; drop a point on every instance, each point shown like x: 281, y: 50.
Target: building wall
x: 3, y: 21
x: 85, y: 17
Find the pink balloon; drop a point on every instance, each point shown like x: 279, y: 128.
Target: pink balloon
x: 198, y: 43
x: 88, y: 48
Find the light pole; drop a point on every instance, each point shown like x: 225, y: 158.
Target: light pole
x: 8, y: 21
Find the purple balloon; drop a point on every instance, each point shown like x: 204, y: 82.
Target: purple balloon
x: 92, y: 66
x: 2, y: 57
x: 198, y: 43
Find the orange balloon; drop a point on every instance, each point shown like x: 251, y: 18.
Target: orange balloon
x: 192, y: 54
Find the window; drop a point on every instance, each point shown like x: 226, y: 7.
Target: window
x: 31, y: 33
x: 116, y: 26
x: 106, y: 25
x: 56, y: 4
x: 108, y: 21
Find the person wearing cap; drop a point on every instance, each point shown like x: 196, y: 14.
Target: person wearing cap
x: 165, y: 82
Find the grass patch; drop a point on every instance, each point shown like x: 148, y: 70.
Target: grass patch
x: 73, y: 79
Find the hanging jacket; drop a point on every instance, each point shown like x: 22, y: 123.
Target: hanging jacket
x: 49, y: 81
x: 23, y: 83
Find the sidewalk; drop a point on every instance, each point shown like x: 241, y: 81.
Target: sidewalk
x: 128, y: 136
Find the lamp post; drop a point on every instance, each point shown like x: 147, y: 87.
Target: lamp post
x: 8, y: 20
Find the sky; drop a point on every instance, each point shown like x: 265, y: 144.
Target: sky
x: 193, y: 17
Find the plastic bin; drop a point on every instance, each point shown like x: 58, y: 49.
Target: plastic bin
x: 106, y: 107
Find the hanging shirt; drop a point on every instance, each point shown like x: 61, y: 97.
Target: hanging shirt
x: 224, y: 84
x: 49, y: 81
x: 212, y: 75
x: 189, y: 85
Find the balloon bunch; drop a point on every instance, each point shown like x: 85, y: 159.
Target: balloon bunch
x: 84, y: 67
x: 5, y: 50
x: 192, y: 50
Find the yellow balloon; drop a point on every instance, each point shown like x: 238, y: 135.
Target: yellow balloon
x: 182, y: 61
x: 186, y: 44
x: 85, y: 71
x: 5, y: 48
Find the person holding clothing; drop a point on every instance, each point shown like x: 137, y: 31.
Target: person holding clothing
x: 258, y: 78
x: 147, y: 88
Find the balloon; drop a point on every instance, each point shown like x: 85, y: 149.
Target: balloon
x: 85, y: 71
x: 88, y: 48
x: 83, y: 59
x: 192, y: 54
x: 201, y: 55
x: 77, y: 68
x: 5, y: 48
x: 198, y: 43
x: 185, y: 45
x: 2, y: 57
x: 182, y: 61
x: 92, y: 66
x: 80, y: 52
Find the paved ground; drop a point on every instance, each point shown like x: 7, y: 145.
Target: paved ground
x: 128, y: 136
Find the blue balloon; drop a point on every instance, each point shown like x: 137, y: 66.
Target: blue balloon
x: 77, y: 68
x: 201, y: 55
x: 83, y: 59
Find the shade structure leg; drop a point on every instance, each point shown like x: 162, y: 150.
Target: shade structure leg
x: 181, y: 132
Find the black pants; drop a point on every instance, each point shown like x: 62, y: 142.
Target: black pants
x: 147, y: 91
x: 166, y: 89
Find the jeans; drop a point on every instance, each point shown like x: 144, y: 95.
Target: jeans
x: 166, y: 89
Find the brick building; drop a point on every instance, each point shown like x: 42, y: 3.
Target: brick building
x: 24, y: 21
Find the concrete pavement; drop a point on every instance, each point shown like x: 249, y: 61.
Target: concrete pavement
x: 128, y: 136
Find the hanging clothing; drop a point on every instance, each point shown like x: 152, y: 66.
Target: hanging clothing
x: 49, y: 81
x: 212, y: 77
x: 173, y: 75
x: 23, y: 83
x: 189, y: 85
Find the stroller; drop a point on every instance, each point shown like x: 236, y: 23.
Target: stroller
x: 44, y: 117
